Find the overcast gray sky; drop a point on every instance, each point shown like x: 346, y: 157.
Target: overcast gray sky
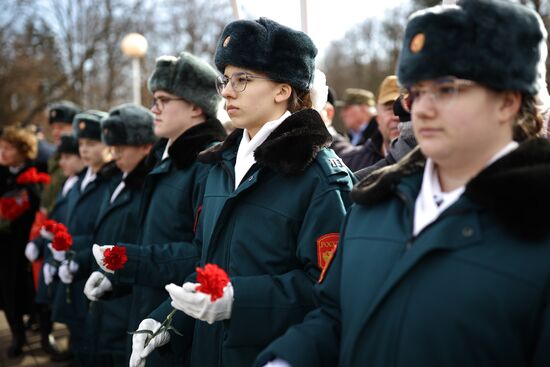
x: 328, y: 20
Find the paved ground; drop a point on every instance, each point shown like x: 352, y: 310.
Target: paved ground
x: 32, y: 353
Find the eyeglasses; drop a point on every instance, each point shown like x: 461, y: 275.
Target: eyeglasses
x: 442, y: 92
x: 160, y: 102
x: 238, y: 81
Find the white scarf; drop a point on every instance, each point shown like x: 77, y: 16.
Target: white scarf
x: 68, y: 185
x: 245, y: 154
x: 119, y: 188
x: 88, y: 178
x: 431, y: 201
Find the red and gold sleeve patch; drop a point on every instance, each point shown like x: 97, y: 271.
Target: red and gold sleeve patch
x: 326, y: 247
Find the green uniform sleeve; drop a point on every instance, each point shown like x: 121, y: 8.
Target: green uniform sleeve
x: 316, y: 341
x: 159, y: 264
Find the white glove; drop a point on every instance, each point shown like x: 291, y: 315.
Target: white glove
x: 199, y: 305
x: 278, y: 363
x: 98, y: 255
x: 139, y: 350
x: 67, y: 270
x: 49, y: 271
x: 46, y: 234
x: 96, y: 286
x: 57, y: 255
x: 31, y: 251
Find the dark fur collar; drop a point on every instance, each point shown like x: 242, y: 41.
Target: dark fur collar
x: 136, y: 178
x: 289, y: 149
x: 185, y: 149
x: 514, y: 189
x: 107, y: 171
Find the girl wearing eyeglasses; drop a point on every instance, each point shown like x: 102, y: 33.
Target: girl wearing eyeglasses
x: 274, y: 201
x: 445, y: 257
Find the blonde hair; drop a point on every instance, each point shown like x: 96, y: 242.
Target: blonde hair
x: 529, y: 122
x: 23, y: 139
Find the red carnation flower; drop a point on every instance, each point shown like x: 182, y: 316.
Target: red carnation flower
x: 213, y: 280
x: 49, y: 225
x: 114, y: 258
x: 62, y: 241
x: 33, y: 176
x: 59, y: 227
x: 12, y: 208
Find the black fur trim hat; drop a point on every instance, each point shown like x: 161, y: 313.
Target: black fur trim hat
x: 88, y: 124
x: 263, y: 45
x: 497, y: 43
x: 62, y: 111
x: 188, y: 77
x: 128, y: 124
x: 68, y: 145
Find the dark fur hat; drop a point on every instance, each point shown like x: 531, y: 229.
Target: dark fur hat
x: 68, y: 145
x: 128, y: 124
x: 188, y: 77
x: 88, y: 124
x: 266, y: 46
x: 497, y: 43
x: 62, y: 111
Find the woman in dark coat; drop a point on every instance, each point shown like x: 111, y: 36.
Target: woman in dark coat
x: 445, y: 258
x: 274, y: 200
x: 18, y: 147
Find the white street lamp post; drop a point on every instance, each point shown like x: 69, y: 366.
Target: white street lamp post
x: 134, y: 45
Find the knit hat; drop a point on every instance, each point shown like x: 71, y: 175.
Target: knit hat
x: 128, y: 124
x: 188, y: 77
x: 62, y: 111
x: 265, y: 46
x: 88, y: 124
x: 497, y: 43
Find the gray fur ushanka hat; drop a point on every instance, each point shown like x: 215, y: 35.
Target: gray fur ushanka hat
x: 87, y: 124
x: 263, y: 45
x: 62, y: 111
x: 188, y: 77
x: 497, y: 43
x: 128, y: 124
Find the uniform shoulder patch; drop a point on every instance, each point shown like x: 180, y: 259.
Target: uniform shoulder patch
x: 326, y: 247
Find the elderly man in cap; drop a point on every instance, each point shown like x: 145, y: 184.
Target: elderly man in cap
x: 376, y: 147
x: 359, y: 114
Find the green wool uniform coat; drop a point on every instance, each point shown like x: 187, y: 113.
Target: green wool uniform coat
x: 70, y: 305
x: 164, y: 252
x: 107, y: 319
x: 268, y: 235
x: 471, y: 289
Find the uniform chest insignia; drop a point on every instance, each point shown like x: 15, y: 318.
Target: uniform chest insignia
x: 82, y: 125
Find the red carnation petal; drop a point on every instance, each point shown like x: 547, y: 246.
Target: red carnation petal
x: 213, y: 280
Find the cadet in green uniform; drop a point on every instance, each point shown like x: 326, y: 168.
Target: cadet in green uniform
x: 184, y: 106
x: 71, y: 165
x: 128, y: 130
x: 273, y: 204
x: 444, y: 259
x: 60, y: 117
x: 70, y: 306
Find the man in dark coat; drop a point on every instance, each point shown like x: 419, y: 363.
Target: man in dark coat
x: 184, y: 105
x: 128, y: 130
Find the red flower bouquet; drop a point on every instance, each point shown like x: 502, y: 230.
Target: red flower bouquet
x: 31, y: 176
x: 213, y: 280
x: 115, y: 258
x: 12, y: 208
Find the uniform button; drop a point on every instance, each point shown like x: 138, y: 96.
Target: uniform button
x: 467, y: 231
